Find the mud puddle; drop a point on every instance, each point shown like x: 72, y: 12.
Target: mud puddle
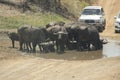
x: 111, y: 49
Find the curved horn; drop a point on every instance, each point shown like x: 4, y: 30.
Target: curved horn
x: 60, y: 32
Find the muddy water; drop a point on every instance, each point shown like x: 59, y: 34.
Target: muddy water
x: 111, y: 49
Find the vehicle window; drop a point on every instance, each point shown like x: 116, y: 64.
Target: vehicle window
x: 91, y: 12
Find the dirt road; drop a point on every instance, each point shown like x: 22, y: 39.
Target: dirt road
x: 16, y: 65
x: 111, y: 8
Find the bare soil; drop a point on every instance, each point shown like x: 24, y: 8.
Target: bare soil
x: 17, y: 65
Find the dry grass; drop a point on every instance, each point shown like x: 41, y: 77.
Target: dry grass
x: 74, y: 6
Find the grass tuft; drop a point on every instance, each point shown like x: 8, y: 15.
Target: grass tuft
x: 36, y: 19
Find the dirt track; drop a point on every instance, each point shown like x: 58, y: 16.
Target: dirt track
x: 15, y: 65
x: 111, y: 8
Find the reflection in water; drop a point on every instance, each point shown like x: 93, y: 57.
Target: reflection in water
x: 111, y: 49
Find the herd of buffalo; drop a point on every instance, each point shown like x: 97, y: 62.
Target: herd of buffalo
x: 57, y: 37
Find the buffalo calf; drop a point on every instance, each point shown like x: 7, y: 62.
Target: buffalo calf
x: 14, y: 37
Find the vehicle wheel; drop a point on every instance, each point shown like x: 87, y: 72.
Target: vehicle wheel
x: 104, y: 24
x: 116, y: 31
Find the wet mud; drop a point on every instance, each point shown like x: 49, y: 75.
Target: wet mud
x: 111, y: 49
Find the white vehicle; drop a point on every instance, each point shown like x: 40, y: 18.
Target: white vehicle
x: 117, y: 23
x: 93, y: 15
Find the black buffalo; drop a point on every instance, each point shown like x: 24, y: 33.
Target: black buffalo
x: 32, y: 35
x: 85, y: 35
x: 58, y: 34
x: 47, y: 47
x: 88, y: 35
x: 14, y: 37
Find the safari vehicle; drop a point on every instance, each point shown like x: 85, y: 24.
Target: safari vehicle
x: 93, y: 15
x: 117, y: 23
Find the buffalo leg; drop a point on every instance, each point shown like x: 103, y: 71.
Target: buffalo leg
x: 27, y: 45
x: 34, y: 47
x: 30, y: 46
x: 61, y: 48
x: 13, y: 43
x: 100, y: 45
x: 40, y: 47
x: 21, y: 45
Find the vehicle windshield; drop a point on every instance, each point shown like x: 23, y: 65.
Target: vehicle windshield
x: 91, y: 12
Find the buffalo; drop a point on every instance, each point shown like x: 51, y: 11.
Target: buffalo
x: 58, y: 34
x: 31, y: 35
x: 14, y: 37
x: 85, y: 35
x: 88, y: 35
x: 47, y: 47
